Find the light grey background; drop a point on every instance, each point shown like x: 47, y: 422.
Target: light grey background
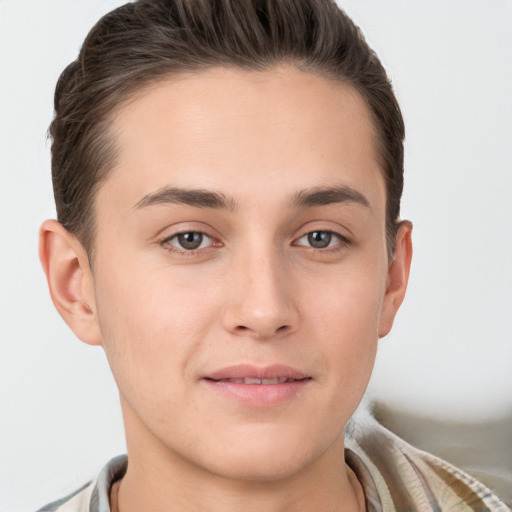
x: 450, y: 354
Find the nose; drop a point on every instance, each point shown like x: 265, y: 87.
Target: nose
x: 260, y: 297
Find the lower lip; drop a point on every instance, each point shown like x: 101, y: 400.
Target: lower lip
x: 259, y: 395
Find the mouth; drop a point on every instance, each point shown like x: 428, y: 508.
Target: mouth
x: 257, y: 387
x: 255, y: 381
x: 251, y: 374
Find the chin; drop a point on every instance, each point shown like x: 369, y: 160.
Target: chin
x: 264, y: 458
x: 268, y: 469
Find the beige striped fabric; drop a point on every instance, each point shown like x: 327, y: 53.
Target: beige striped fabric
x: 396, y: 477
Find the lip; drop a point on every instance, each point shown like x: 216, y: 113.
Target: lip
x: 229, y: 383
x: 243, y: 371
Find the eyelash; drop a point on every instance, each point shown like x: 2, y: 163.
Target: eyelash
x: 342, y: 241
x: 166, y: 243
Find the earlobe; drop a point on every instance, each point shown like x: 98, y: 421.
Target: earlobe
x: 398, y: 277
x: 70, y: 282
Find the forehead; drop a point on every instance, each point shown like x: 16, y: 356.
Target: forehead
x: 245, y: 132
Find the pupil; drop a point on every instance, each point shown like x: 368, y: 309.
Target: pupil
x: 319, y: 239
x: 190, y: 240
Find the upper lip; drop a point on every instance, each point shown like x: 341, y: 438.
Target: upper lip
x: 248, y: 371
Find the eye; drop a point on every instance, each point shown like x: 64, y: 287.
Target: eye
x: 322, y: 239
x: 188, y: 241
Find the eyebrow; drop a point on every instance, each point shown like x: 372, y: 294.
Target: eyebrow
x: 200, y: 198
x: 193, y: 197
x: 321, y: 196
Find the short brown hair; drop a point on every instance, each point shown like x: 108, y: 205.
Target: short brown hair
x: 145, y: 41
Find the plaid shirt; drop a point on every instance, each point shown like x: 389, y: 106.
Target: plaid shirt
x: 396, y: 477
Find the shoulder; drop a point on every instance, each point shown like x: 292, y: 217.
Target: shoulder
x: 398, y: 476
x: 94, y: 495
x: 77, y: 501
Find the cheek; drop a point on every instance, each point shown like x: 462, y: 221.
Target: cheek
x: 345, y: 317
x: 150, y: 326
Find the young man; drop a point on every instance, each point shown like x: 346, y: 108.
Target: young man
x: 227, y: 177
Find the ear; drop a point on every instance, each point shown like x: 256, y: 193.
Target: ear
x: 398, y: 276
x: 66, y: 265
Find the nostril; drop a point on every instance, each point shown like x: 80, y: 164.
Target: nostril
x: 259, y: 333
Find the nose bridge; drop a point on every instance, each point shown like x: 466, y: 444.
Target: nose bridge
x: 261, y: 302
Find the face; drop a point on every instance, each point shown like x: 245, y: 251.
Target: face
x: 240, y: 268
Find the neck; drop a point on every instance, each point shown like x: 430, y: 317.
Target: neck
x: 161, y: 481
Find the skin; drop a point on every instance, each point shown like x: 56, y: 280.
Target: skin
x: 255, y: 292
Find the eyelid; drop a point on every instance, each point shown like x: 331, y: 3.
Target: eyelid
x: 184, y: 226
x: 214, y: 242
x: 342, y: 240
x: 165, y: 242
x: 204, y: 236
